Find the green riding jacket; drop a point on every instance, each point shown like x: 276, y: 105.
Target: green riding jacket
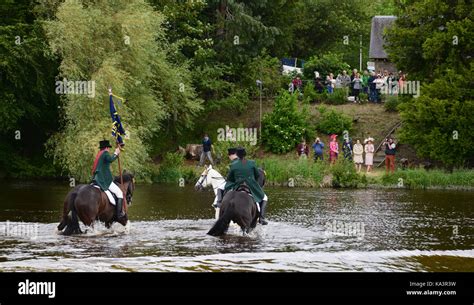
x: 244, y: 171
x: 102, y: 175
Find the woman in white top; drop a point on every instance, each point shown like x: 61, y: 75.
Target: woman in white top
x: 369, y: 153
x: 358, y: 158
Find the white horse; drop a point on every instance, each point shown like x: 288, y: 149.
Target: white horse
x: 211, y: 177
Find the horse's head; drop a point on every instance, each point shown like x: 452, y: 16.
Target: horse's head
x: 203, y: 182
x: 128, y: 185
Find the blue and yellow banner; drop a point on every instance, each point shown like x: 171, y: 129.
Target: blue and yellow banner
x: 117, y: 128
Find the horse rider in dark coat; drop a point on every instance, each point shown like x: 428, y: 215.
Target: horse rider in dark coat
x: 103, y: 176
x: 232, y: 153
x: 245, y: 171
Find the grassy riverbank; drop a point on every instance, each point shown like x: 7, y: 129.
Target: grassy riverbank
x: 289, y: 171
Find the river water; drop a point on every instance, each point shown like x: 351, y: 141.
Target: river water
x: 309, y: 230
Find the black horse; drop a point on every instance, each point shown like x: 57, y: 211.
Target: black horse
x: 88, y: 203
x: 238, y: 206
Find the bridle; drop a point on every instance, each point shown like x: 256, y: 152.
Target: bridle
x: 204, y: 178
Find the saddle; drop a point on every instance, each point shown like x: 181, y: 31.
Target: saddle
x: 111, y: 196
x: 245, y: 188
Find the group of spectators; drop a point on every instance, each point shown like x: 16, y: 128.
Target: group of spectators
x: 356, y: 83
x: 352, y: 152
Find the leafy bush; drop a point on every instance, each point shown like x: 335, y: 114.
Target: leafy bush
x: 324, y: 64
x: 321, y: 97
x: 363, y: 98
x: 338, y: 97
x: 332, y: 121
x: 310, y: 93
x: 391, y: 103
x: 284, y: 127
x: 344, y: 174
x: 170, y: 168
x: 190, y: 175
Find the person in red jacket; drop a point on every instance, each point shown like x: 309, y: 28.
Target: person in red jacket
x: 302, y: 150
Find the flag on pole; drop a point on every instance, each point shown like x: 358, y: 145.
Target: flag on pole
x: 117, y: 128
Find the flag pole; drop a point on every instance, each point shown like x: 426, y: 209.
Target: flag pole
x: 124, y: 207
x: 118, y: 159
x: 119, y: 165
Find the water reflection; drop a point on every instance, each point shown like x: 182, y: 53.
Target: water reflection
x: 309, y: 230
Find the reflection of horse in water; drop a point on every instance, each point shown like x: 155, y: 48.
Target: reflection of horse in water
x: 237, y: 206
x: 88, y: 203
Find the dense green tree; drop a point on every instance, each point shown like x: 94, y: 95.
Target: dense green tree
x: 430, y: 36
x: 439, y: 123
x: 432, y: 40
x: 28, y: 106
x: 122, y: 44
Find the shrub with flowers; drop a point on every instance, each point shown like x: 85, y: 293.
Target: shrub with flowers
x: 286, y: 125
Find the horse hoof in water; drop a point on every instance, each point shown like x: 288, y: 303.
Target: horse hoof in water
x: 127, y: 227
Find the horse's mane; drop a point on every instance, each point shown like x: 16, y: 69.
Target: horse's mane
x: 220, y: 175
x: 127, y: 177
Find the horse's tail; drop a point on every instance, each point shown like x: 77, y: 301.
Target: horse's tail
x: 70, y: 223
x: 222, y: 224
x: 66, y: 208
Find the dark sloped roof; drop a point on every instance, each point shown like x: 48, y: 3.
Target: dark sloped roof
x: 379, y: 23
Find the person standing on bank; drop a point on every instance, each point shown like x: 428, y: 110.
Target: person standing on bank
x: 358, y: 158
x: 369, y: 153
x: 333, y: 149
x: 390, y: 150
x: 206, y: 150
x: 302, y: 150
x: 245, y: 171
x: 318, y: 147
x: 347, y: 149
x: 103, y: 176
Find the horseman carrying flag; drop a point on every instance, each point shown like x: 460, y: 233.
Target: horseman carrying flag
x: 101, y: 170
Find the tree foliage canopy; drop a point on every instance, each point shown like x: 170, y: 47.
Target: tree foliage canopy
x: 115, y: 45
x: 432, y: 41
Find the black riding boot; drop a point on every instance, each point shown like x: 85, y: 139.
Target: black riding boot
x: 263, y: 206
x: 119, y: 208
x: 220, y: 195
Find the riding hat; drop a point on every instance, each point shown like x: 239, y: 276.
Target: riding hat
x: 241, y: 152
x: 231, y: 151
x: 103, y: 144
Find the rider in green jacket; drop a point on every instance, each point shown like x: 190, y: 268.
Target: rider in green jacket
x: 245, y: 171
x: 103, y: 176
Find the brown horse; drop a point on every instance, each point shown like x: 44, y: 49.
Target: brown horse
x: 88, y: 203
